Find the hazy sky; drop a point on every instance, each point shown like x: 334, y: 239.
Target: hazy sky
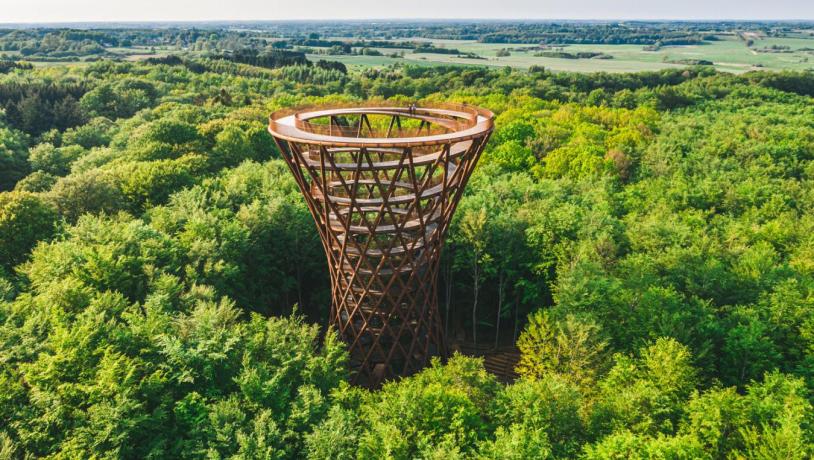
x: 141, y: 10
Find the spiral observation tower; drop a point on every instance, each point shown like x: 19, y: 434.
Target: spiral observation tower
x: 382, y: 182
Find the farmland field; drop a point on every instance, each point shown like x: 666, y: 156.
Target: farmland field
x: 728, y: 54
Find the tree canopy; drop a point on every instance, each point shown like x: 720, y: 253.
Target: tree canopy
x: 646, y: 240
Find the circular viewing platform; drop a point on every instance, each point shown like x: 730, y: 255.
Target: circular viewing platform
x: 381, y: 125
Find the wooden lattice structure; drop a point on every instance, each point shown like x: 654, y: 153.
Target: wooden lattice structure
x: 382, y: 183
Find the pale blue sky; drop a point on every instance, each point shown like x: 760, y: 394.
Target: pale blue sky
x: 169, y: 10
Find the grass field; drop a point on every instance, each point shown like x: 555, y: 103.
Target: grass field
x: 729, y: 54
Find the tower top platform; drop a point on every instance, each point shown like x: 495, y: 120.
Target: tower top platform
x: 385, y: 125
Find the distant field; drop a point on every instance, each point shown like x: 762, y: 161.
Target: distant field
x: 729, y: 54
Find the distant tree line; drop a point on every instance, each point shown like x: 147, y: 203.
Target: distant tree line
x: 7, y: 66
x: 268, y: 59
x: 635, y: 32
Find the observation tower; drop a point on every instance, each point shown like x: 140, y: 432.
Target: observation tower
x: 382, y: 183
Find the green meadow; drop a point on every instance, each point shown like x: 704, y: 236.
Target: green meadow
x: 728, y: 54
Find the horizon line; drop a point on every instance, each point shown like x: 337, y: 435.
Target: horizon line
x: 405, y: 19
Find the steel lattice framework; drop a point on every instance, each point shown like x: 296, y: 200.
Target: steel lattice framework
x: 382, y: 183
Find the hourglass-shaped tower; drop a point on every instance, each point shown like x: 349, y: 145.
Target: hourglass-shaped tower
x: 382, y: 183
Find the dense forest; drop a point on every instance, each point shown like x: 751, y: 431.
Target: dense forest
x: 647, y: 241
x: 51, y: 43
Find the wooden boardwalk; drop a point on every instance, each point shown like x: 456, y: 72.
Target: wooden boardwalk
x: 499, y: 361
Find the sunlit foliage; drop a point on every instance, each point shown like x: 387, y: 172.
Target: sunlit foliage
x: 644, y: 239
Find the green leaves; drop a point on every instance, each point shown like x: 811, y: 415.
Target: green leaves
x: 13, y: 156
x: 199, y: 380
x: 442, y: 404
x: 54, y: 160
x: 25, y: 219
x: 544, y: 416
x: 146, y: 184
x: 119, y: 99
x: 573, y: 349
x: 645, y: 395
